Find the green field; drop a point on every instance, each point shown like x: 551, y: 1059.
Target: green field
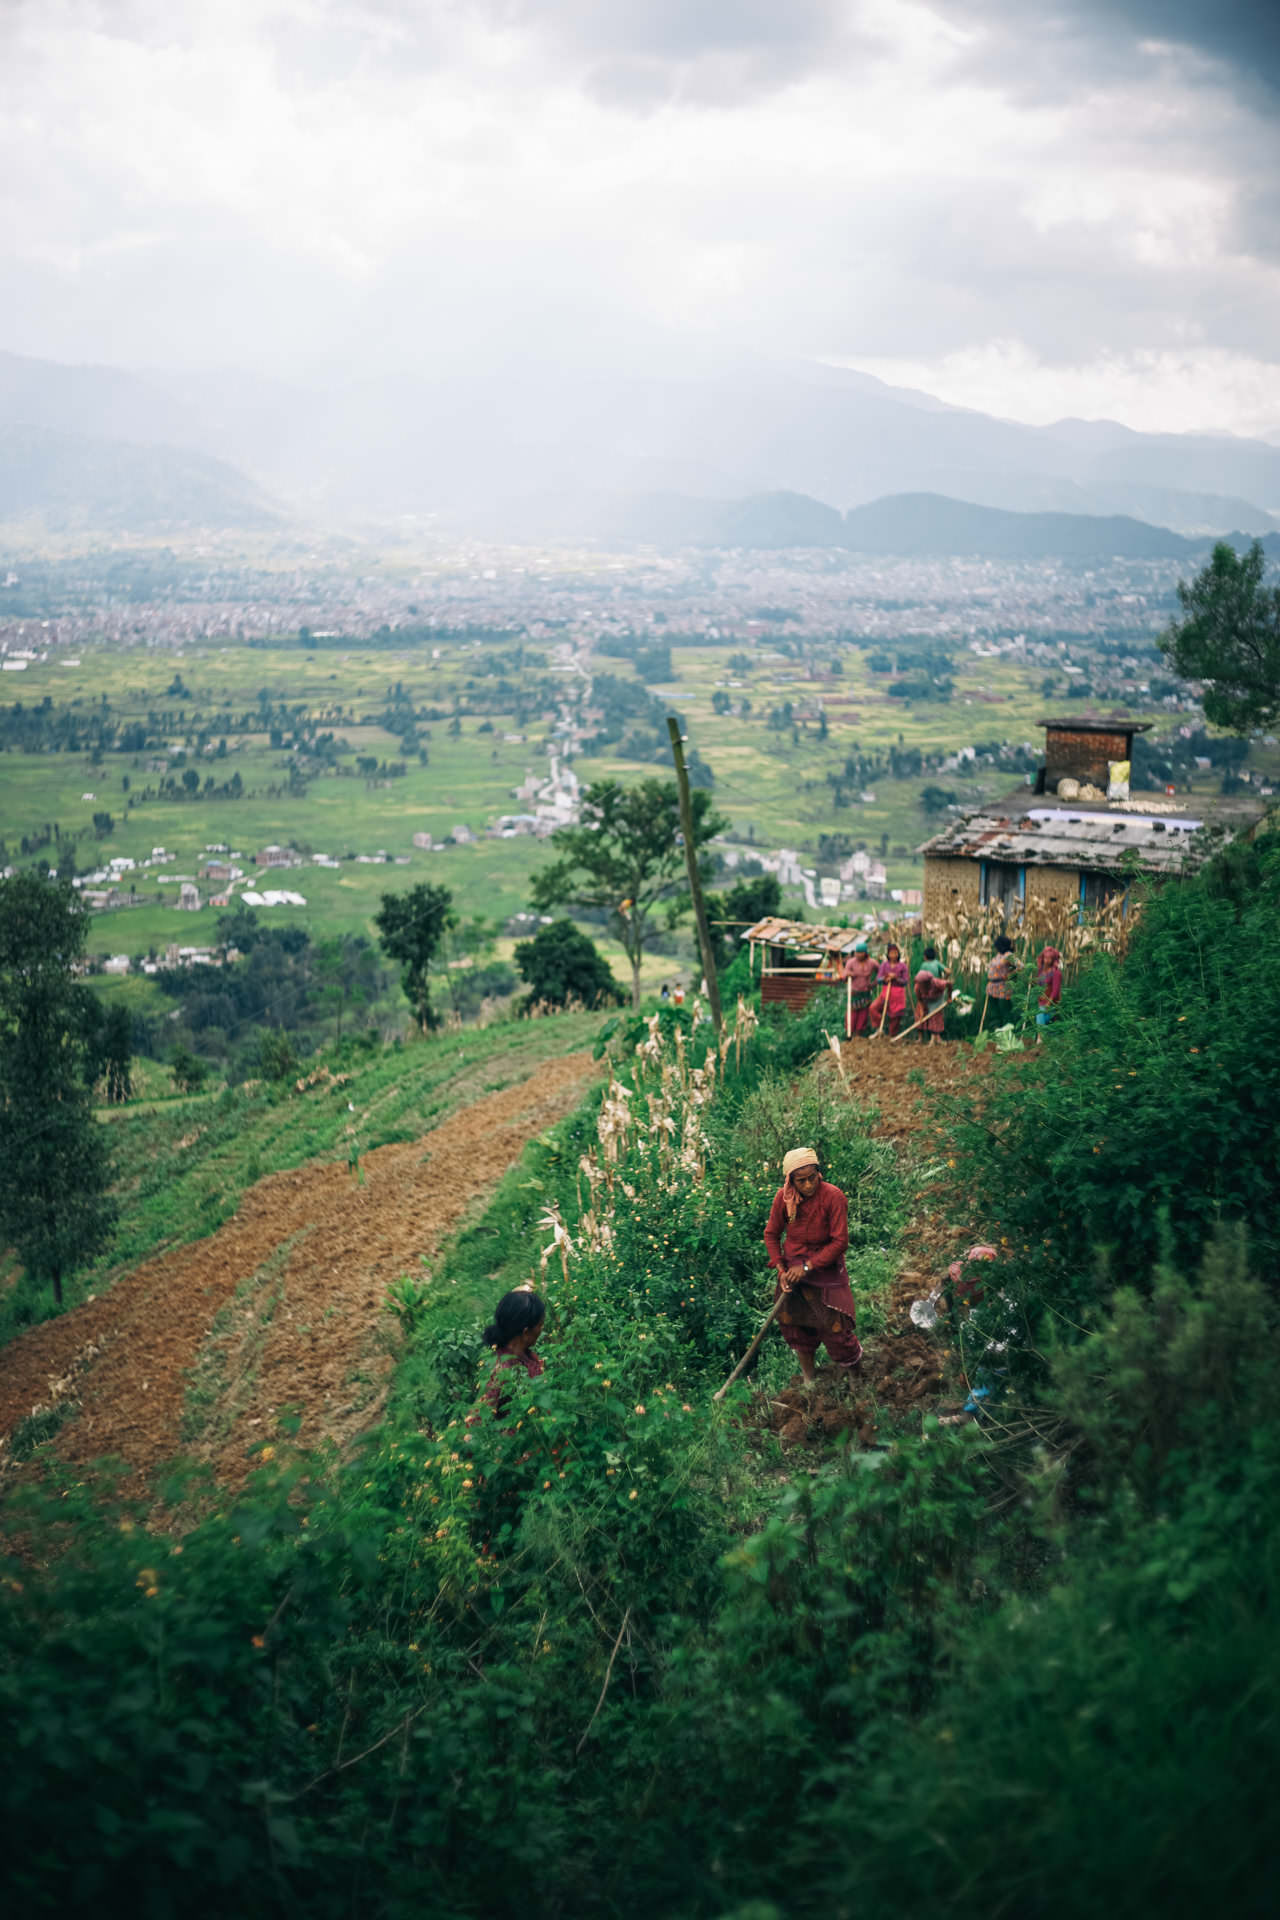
x: 774, y: 787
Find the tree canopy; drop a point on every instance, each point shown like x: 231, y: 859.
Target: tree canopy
x: 561, y: 964
x: 1229, y: 638
x: 411, y: 926
x: 54, y: 1163
x: 625, y: 858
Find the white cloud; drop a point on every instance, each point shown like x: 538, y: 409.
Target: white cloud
x: 1191, y: 391
x: 285, y: 183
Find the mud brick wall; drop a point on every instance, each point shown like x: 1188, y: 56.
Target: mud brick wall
x: 946, y: 876
x: 1085, y: 756
x: 1054, y: 883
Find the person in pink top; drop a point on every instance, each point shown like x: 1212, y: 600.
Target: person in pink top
x: 1049, y: 981
x: 806, y: 1237
x: 860, y: 972
x: 518, y: 1320
x: 892, y: 975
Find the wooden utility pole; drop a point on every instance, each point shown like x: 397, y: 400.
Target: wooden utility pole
x: 695, y: 878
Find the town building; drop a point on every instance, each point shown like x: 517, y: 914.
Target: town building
x: 1076, y: 836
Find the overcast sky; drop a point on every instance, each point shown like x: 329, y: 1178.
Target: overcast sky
x: 1032, y: 208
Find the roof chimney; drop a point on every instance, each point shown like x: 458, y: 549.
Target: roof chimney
x: 1084, y: 749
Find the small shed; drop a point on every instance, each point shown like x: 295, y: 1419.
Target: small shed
x: 791, y: 952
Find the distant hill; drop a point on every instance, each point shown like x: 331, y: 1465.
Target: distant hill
x: 551, y: 440
x: 73, y: 481
x: 929, y: 523
x: 907, y: 524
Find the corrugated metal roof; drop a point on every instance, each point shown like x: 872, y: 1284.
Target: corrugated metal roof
x: 804, y: 936
x: 1096, y: 839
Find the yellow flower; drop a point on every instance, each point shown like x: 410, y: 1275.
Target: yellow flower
x: 147, y: 1577
x: 258, y: 1640
x: 467, y: 1483
x: 639, y: 1409
x: 632, y: 1495
x: 269, y: 1453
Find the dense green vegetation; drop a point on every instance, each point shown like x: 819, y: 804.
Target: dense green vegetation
x: 612, y: 1654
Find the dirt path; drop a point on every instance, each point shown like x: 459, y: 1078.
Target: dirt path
x: 295, y: 1283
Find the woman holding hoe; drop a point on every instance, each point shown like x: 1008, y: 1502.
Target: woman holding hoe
x: 860, y: 972
x: 892, y: 975
x: 806, y: 1235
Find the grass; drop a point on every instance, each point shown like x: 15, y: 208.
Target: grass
x: 773, y: 791
x: 181, y: 1168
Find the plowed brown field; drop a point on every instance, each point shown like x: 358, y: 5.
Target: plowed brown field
x: 302, y: 1269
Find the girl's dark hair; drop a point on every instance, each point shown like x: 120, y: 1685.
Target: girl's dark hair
x: 893, y: 947
x: 931, y: 953
x: 1004, y: 944
x: 515, y: 1313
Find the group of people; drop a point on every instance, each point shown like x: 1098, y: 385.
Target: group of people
x: 870, y: 1012
x: 876, y: 992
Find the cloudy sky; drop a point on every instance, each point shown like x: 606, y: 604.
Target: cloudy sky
x: 1066, y: 207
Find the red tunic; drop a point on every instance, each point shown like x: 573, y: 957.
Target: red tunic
x: 506, y: 1362
x: 819, y: 1234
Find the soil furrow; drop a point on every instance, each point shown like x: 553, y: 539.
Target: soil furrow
x: 318, y: 1355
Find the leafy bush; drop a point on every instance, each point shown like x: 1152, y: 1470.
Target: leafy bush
x: 1152, y: 1112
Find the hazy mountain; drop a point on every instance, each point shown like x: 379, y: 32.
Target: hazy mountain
x: 908, y: 524
x: 71, y: 481
x: 484, y: 446
x: 927, y: 523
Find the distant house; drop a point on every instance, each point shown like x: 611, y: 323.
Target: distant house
x: 189, y: 897
x: 276, y: 857
x: 424, y: 841
x: 462, y: 836
x: 1077, y: 835
x: 116, y: 963
x: 219, y: 872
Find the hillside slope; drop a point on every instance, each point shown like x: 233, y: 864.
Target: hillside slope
x: 71, y: 481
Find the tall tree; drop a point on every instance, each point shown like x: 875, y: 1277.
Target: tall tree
x: 54, y: 1164
x: 1229, y: 638
x: 625, y: 858
x: 411, y: 926
x: 561, y: 964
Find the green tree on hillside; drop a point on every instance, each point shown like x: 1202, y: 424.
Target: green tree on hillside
x: 745, y: 902
x: 625, y: 858
x: 1229, y: 638
x: 411, y: 926
x: 115, y: 1055
x: 54, y: 1165
x: 561, y: 964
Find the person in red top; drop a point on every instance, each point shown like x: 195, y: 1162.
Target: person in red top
x: 518, y: 1319
x: 806, y: 1235
x: 893, y: 975
x: 1049, y: 981
x: 860, y: 972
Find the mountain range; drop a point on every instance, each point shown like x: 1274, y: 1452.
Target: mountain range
x: 574, y: 451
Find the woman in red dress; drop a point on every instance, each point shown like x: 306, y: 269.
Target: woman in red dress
x: 893, y: 975
x: 806, y: 1235
x: 860, y: 972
